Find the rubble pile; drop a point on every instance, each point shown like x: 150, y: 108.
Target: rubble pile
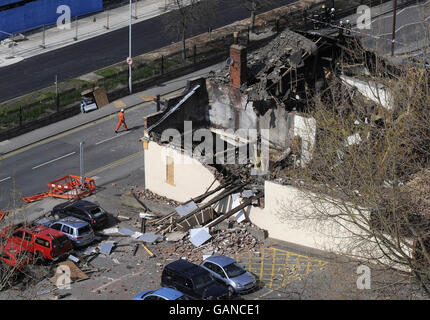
x: 268, y: 64
x: 230, y: 242
x: 148, y: 195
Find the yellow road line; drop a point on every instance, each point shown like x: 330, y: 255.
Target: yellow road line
x: 113, y: 164
x: 84, y: 126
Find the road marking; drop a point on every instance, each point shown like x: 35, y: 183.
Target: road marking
x: 66, y: 133
x: 403, y: 26
x: 116, y: 280
x: 118, y: 135
x: 385, y: 16
x: 48, y: 162
x: 5, y: 179
x: 113, y: 164
x: 263, y: 295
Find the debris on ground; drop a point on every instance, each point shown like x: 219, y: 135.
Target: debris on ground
x: 106, y: 247
x: 175, y: 236
x: 150, y: 237
x: 226, y: 241
x: 68, y: 271
x: 148, y: 195
x: 199, y: 236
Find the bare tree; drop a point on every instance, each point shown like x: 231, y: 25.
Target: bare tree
x: 252, y: 6
x: 369, y: 179
x: 187, y: 14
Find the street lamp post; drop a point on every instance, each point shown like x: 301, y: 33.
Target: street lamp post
x: 81, y: 163
x: 393, y: 36
x: 129, y: 51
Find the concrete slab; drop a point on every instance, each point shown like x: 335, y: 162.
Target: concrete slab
x: 199, y: 236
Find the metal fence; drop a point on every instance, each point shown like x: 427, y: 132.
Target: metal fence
x: 113, y: 17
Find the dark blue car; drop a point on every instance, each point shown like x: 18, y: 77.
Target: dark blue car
x: 193, y: 280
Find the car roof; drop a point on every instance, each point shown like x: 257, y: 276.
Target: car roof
x: 73, y: 222
x: 41, y: 230
x: 186, y: 267
x: 168, y: 293
x: 83, y: 203
x: 220, y: 260
x: 76, y: 204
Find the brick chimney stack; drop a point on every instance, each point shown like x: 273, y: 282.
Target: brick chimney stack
x: 238, y: 67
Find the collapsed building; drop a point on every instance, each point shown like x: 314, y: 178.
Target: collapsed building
x: 218, y: 147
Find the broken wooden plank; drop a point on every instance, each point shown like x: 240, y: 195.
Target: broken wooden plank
x: 233, y: 211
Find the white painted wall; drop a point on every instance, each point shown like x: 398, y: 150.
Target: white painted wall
x: 284, y: 218
x: 191, y: 178
x: 305, y: 128
x: 371, y: 90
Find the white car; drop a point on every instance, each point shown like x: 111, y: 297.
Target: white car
x: 87, y: 106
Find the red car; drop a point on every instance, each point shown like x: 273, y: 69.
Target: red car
x: 15, y: 257
x: 45, y: 243
x: 12, y: 259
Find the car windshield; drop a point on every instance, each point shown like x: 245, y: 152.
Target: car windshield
x: 59, y: 242
x: 233, y: 270
x: 202, y: 280
x: 96, y: 212
x: 83, y: 230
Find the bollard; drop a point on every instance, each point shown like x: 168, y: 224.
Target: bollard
x: 157, y: 100
x: 194, y: 53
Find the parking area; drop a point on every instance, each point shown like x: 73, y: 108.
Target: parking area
x: 129, y: 267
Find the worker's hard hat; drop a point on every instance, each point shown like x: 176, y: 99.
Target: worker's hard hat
x: 341, y: 22
x: 347, y: 21
x: 122, y: 110
x: 332, y: 9
x: 323, y: 6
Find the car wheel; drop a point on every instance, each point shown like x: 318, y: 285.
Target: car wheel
x: 230, y: 291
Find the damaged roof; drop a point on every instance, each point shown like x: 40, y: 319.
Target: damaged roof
x: 268, y: 64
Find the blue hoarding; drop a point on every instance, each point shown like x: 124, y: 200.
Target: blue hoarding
x: 22, y: 15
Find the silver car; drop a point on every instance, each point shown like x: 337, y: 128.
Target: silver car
x: 230, y: 272
x: 79, y: 231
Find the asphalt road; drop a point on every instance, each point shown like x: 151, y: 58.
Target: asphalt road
x: 412, y: 28
x: 30, y: 171
x: 86, y: 56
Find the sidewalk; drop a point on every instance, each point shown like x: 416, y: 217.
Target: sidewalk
x: 86, y: 28
x: 38, y: 135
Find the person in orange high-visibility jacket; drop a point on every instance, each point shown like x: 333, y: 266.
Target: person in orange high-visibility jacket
x: 121, y: 120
